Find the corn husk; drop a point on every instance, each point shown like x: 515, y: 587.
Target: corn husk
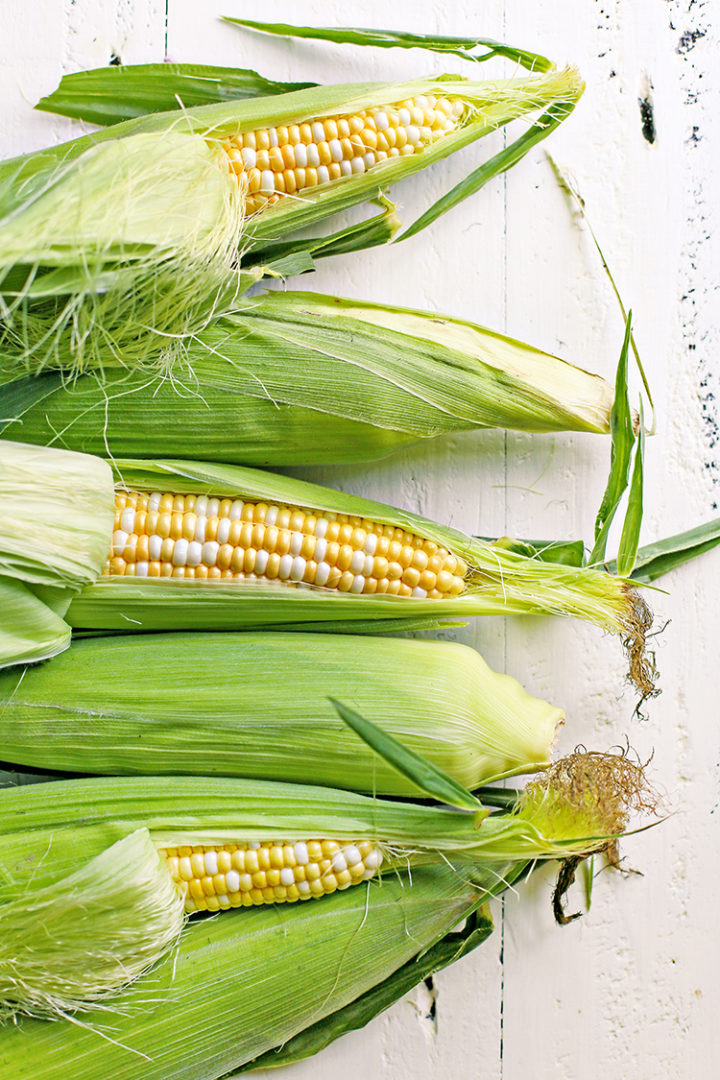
x: 301, y: 379
x: 502, y: 581
x: 137, y: 226
x: 130, y: 705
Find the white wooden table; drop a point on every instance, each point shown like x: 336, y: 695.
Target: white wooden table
x: 631, y: 990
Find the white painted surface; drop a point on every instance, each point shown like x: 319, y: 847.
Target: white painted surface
x: 631, y: 990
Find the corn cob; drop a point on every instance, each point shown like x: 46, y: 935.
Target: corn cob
x: 54, y: 839
x: 266, y: 711
x: 323, y: 581
x: 140, y: 224
x: 296, y: 378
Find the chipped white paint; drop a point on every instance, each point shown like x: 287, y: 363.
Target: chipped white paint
x: 631, y: 990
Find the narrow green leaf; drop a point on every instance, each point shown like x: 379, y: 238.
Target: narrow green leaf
x: 390, y: 39
x: 623, y: 439
x: 660, y: 558
x: 430, y: 779
x: 630, y: 537
x: 109, y: 95
x: 19, y: 395
x: 498, y: 164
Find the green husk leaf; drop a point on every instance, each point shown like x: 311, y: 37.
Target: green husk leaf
x: 96, y: 709
x: 20, y: 395
x: 623, y: 440
x: 478, y: 927
x: 389, y: 39
x: 86, y: 936
x: 373, y: 232
x: 421, y: 772
x: 109, y: 95
x: 629, y: 538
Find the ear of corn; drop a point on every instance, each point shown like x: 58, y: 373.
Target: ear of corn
x: 139, y: 225
x: 51, y: 831
x: 470, y: 577
x: 265, y: 713
x: 296, y: 378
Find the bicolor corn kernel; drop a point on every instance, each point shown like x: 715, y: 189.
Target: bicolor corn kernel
x: 190, y: 536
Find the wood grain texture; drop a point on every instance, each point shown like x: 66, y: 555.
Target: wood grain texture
x: 631, y: 989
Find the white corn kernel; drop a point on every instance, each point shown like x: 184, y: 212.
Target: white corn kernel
x: 267, y: 182
x: 223, y: 530
x: 322, y: 573
x: 232, y: 880
x: 358, y: 165
x: 323, y: 174
x: 286, y: 876
x: 120, y: 539
x: 127, y: 519
x: 320, y: 550
x: 248, y: 156
x: 404, y: 117
x: 298, y: 568
x: 211, y: 865
x: 301, y: 155
x: 358, y: 584
x: 194, y: 553
x: 261, y: 561
x: 179, y: 556
x: 210, y: 552
x: 141, y: 569
x: 200, y: 527
x: 381, y: 121
x: 236, y: 510
x: 213, y: 508
x: 301, y: 853
x: 357, y: 562
x: 286, y: 564
x: 155, y: 547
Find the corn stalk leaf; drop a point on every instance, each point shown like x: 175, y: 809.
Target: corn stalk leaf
x: 663, y: 556
x: 109, y: 95
x: 428, y: 777
x: 623, y: 439
x: 390, y: 39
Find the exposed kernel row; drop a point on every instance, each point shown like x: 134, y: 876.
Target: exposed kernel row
x: 215, y: 877
x: 188, y: 536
